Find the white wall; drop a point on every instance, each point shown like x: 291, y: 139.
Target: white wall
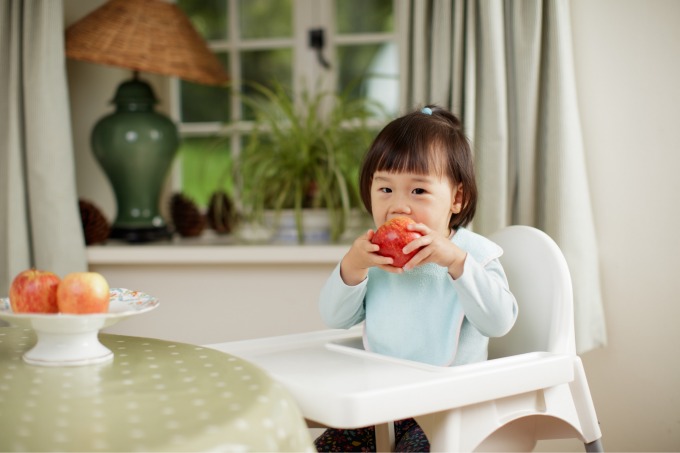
x: 627, y: 56
x: 209, y: 303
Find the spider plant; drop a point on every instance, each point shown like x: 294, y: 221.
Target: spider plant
x: 303, y: 154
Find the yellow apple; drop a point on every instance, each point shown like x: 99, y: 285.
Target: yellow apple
x: 83, y: 292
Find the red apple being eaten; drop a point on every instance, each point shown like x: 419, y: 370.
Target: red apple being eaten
x: 34, y: 291
x: 392, y: 237
x: 83, y: 293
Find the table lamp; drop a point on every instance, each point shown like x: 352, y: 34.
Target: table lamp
x: 135, y: 145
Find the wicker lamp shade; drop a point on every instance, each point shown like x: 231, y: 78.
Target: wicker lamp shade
x: 144, y: 35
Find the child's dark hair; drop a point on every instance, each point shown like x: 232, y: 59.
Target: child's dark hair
x: 420, y: 142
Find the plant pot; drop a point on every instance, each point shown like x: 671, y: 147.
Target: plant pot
x: 316, y: 226
x: 254, y: 233
x: 358, y: 223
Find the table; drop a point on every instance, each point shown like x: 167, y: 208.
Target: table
x: 154, y: 396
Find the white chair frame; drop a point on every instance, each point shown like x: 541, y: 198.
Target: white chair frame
x: 533, y: 386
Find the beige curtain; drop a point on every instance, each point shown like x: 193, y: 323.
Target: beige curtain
x: 40, y: 221
x: 506, y: 68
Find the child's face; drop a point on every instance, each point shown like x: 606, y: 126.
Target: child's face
x: 428, y: 199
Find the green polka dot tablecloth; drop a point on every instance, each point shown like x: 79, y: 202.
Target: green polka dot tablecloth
x: 154, y: 396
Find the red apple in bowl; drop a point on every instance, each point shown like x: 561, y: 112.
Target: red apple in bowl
x: 83, y: 293
x: 392, y: 237
x: 34, y: 291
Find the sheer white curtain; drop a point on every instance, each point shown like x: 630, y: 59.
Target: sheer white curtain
x: 506, y: 68
x: 39, y: 217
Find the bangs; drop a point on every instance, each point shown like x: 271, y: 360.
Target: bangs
x: 424, y: 158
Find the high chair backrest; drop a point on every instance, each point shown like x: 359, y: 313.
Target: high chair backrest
x: 539, y: 278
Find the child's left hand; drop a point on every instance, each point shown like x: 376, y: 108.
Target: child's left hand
x: 436, y: 248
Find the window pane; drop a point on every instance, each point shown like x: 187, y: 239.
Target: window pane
x: 370, y: 71
x: 206, y: 167
x: 265, y: 19
x: 364, y: 16
x: 265, y: 67
x: 205, y: 103
x: 208, y: 16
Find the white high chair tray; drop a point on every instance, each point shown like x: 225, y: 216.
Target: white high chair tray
x: 338, y: 384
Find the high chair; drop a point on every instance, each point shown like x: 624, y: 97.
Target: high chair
x: 532, y: 387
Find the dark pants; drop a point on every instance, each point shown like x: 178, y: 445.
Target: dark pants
x: 408, y: 437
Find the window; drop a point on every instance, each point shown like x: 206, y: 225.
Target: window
x: 269, y: 40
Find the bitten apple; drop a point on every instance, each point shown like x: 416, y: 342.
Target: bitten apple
x: 34, y: 291
x: 83, y: 292
x: 392, y: 237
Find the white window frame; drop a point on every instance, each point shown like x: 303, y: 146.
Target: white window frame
x: 307, y: 15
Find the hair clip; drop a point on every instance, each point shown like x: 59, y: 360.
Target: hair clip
x: 427, y: 110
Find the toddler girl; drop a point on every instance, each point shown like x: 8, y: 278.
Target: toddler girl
x: 445, y: 303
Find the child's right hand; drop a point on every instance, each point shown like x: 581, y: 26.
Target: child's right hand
x: 362, y: 256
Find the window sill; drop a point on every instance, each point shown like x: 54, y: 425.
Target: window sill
x: 212, y: 250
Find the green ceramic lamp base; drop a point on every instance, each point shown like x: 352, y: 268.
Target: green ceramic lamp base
x: 138, y: 235
x: 135, y: 146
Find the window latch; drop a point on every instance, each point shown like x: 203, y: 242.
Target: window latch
x: 316, y: 41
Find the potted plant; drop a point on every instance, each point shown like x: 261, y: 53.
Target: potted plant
x: 303, y: 155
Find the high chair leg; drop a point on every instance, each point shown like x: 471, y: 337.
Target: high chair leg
x: 384, y: 437
x: 595, y: 446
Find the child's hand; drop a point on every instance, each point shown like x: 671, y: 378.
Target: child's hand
x: 436, y: 248
x: 362, y: 256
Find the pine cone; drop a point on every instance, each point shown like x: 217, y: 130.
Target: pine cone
x: 221, y: 213
x: 96, y: 228
x: 187, y: 218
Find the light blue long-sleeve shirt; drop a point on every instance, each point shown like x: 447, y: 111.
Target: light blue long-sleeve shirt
x: 424, y: 314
